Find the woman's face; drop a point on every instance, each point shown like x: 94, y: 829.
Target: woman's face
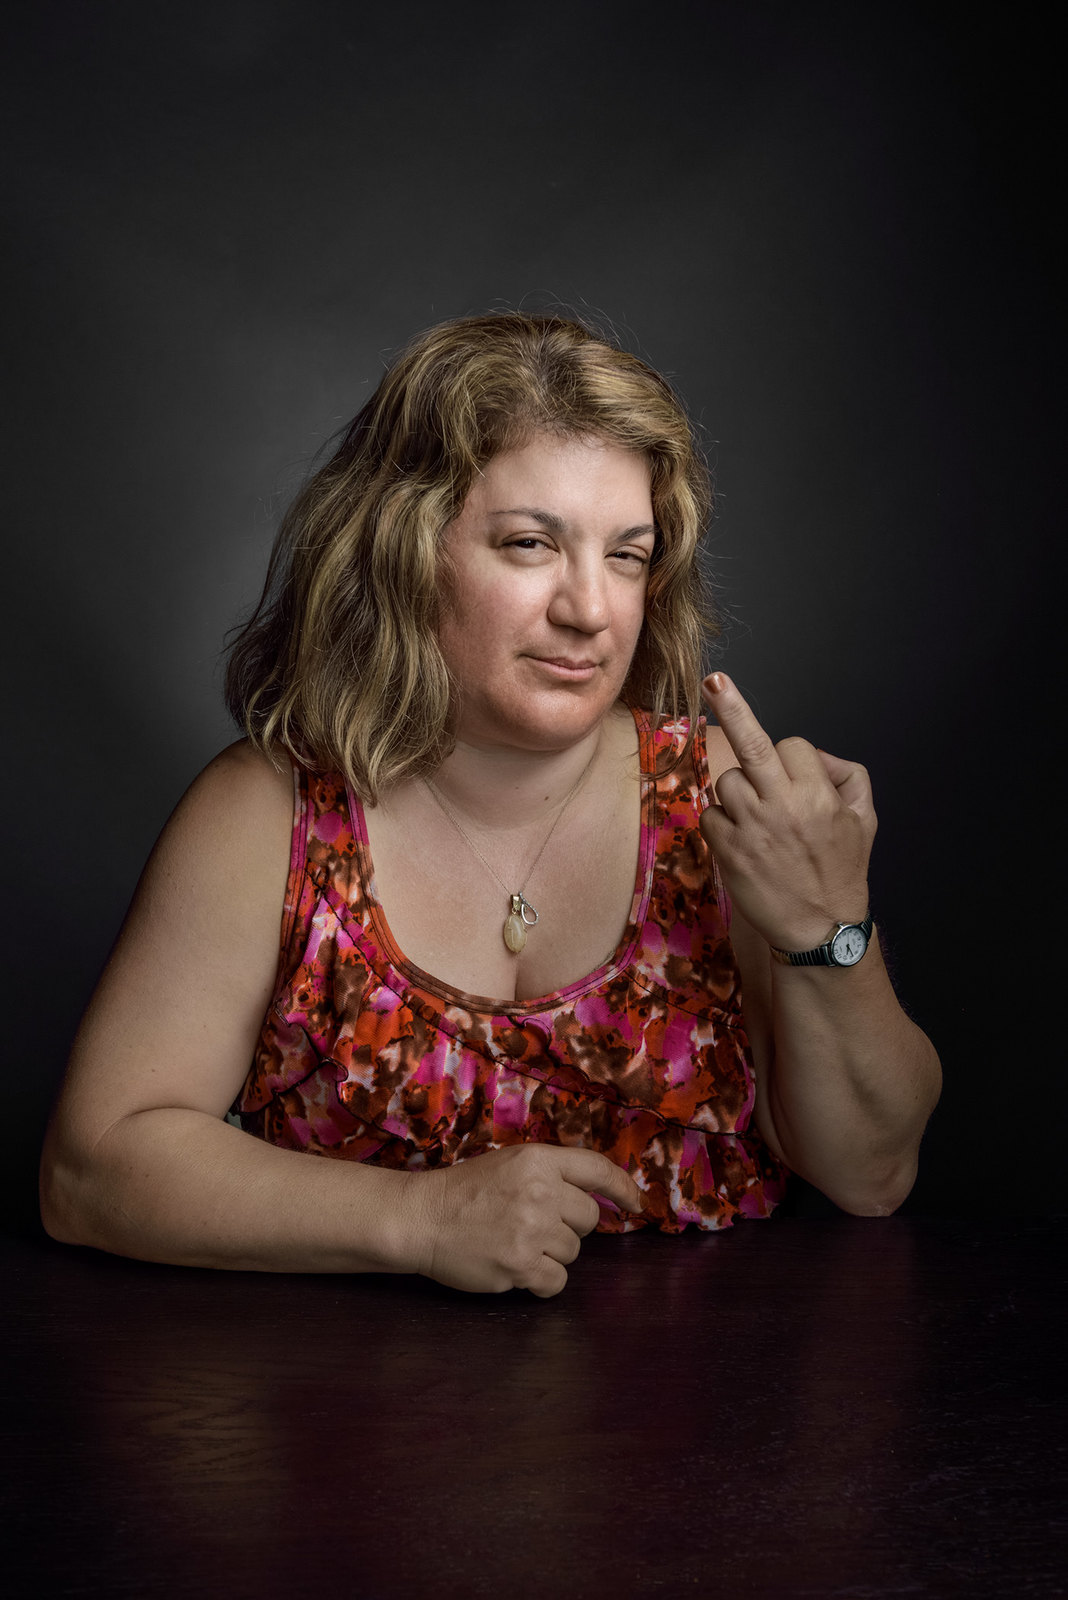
x: 547, y: 569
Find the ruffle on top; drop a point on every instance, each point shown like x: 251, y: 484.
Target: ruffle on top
x: 364, y: 1056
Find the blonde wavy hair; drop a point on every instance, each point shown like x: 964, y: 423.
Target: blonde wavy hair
x: 339, y: 662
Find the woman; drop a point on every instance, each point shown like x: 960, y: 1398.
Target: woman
x: 475, y: 797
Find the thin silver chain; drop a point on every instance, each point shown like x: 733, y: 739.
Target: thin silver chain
x: 446, y: 807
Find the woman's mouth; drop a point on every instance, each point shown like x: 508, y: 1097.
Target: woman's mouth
x: 570, y: 669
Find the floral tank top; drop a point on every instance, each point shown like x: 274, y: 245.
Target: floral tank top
x: 364, y: 1056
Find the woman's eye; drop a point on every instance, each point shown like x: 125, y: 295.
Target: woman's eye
x: 529, y: 541
x: 634, y: 557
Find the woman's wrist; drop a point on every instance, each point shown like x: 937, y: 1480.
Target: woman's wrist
x: 808, y: 930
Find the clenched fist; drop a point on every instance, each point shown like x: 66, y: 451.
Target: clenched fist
x: 514, y: 1218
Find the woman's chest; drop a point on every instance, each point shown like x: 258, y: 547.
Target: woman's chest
x: 446, y: 896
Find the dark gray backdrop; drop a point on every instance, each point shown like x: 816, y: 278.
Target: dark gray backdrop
x: 827, y: 222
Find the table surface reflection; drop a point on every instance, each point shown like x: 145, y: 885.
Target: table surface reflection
x: 799, y: 1407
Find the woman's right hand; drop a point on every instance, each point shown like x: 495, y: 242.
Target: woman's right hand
x: 514, y: 1218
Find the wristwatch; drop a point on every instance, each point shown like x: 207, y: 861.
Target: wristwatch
x: 843, y: 947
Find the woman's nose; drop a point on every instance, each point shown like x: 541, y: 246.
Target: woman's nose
x: 580, y: 599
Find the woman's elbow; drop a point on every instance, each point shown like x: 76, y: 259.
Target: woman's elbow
x: 877, y: 1192
x: 58, y: 1216
x: 64, y: 1188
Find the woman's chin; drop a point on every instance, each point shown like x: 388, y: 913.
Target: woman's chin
x: 542, y: 722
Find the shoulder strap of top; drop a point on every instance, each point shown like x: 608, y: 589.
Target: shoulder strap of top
x: 321, y: 856
x: 667, y: 740
x: 688, y: 774
x: 298, y: 855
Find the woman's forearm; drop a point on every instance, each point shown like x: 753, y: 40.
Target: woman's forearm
x: 851, y: 1085
x: 845, y: 1082
x: 177, y: 1185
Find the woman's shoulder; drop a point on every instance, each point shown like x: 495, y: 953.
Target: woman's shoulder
x: 242, y: 779
x: 235, y: 815
x: 245, y: 764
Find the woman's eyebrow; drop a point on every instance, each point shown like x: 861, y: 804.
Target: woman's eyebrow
x: 548, y: 519
x: 557, y: 524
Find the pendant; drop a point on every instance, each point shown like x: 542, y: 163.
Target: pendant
x: 521, y: 917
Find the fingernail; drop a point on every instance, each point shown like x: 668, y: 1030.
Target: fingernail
x: 715, y: 683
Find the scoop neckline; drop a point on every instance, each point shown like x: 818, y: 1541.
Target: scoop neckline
x: 436, y: 988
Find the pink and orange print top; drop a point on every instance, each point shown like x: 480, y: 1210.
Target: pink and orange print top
x: 364, y: 1056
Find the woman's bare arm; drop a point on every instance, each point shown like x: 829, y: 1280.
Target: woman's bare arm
x: 138, y: 1159
x: 845, y: 1080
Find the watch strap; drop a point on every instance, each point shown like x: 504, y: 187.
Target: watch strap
x: 821, y: 956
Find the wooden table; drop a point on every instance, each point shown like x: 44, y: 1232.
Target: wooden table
x: 799, y: 1407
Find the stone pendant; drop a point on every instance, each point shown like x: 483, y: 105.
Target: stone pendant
x: 521, y: 917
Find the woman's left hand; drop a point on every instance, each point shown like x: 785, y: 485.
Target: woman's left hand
x: 791, y: 831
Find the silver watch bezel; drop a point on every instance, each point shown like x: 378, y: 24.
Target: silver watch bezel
x: 843, y: 928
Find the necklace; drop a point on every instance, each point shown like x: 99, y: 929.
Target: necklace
x: 521, y: 914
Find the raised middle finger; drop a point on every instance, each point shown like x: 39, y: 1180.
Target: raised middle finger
x: 757, y: 756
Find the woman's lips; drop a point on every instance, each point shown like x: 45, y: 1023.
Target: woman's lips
x: 571, y: 671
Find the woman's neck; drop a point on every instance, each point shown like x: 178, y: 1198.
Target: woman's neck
x: 499, y: 786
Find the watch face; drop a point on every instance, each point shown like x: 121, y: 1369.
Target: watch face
x: 847, y: 946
